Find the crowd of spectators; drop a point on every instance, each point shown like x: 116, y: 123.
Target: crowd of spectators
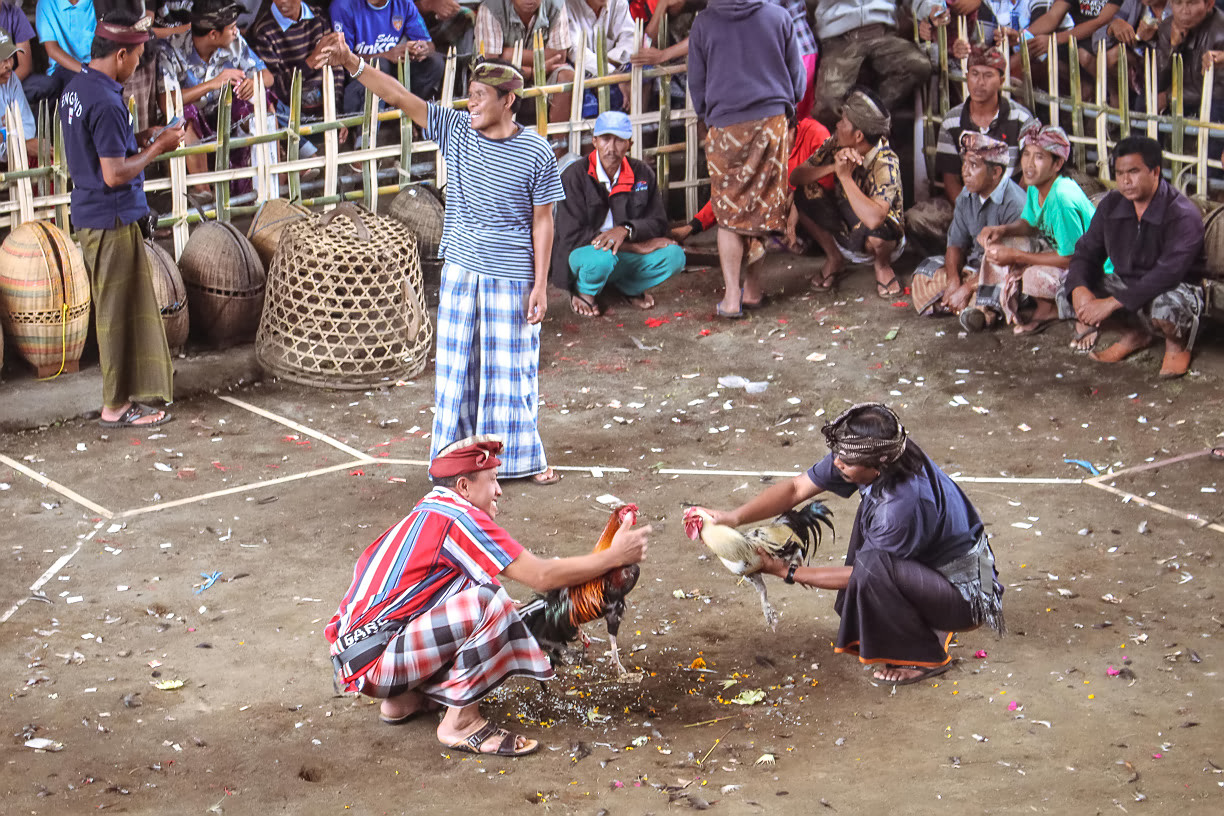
x: 801, y: 104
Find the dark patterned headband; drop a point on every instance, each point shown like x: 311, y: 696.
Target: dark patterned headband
x: 854, y: 449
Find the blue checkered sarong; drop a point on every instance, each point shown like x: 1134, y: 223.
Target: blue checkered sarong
x: 488, y: 362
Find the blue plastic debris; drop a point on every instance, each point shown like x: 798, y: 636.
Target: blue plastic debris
x: 210, y: 578
x: 1088, y: 466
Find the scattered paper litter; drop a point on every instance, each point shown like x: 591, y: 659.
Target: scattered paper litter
x: 164, y: 468
x: 44, y: 744
x: 816, y: 357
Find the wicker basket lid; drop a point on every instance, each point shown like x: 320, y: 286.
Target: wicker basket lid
x: 220, y: 259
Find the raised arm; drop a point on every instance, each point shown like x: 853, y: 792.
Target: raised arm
x: 334, y: 51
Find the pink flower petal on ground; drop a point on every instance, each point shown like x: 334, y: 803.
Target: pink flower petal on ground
x: 980, y: 654
x: 1013, y: 705
x: 1111, y: 671
x: 1157, y: 756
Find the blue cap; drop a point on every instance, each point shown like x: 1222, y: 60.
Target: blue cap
x: 615, y: 123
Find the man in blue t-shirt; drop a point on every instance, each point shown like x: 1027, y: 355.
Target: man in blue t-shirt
x: 383, y: 32
x: 106, y: 163
x: 66, y: 29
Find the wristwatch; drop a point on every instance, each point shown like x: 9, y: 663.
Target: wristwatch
x: 790, y: 574
x: 628, y: 230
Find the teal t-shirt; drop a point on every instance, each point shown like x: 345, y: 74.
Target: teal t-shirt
x: 1063, y: 218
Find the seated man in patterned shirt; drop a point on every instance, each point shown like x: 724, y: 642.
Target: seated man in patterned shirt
x: 503, y: 24
x: 216, y: 56
x: 426, y: 624
x: 860, y: 219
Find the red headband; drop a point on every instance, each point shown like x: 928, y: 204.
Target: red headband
x: 466, y: 456
x: 127, y: 35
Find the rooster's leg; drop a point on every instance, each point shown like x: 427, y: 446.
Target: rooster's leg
x: 620, y: 668
x: 771, y: 614
x: 612, y: 615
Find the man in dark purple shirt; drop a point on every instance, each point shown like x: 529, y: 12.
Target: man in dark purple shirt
x: 1154, y: 236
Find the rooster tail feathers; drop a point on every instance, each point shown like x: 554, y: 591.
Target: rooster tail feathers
x: 806, y: 521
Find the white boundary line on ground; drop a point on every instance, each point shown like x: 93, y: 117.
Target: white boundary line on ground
x: 786, y: 474
x: 57, y: 487
x: 297, y: 426
x: 51, y: 572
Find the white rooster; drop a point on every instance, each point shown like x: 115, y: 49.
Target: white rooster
x: 792, y: 536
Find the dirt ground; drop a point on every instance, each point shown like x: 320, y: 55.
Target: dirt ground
x: 1033, y: 722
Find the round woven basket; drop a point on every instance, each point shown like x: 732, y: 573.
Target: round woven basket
x: 225, y: 284
x: 44, y: 296
x: 171, y: 296
x: 418, y: 208
x: 269, y: 222
x: 1213, y: 243
x: 344, y: 307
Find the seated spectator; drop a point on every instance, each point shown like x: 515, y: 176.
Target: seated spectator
x: 612, y: 18
x: 449, y: 24
x: 1152, y: 237
x: 861, y: 218
x: 503, y: 24
x: 948, y: 284
x: 16, y: 24
x: 285, y: 37
x: 611, y: 227
x: 1056, y: 215
x: 383, y: 32
x: 66, y: 29
x: 1089, y: 19
x: 805, y: 136
x: 1195, y: 30
x: 986, y: 111
x: 1133, y: 29
x: 11, y: 93
x: 215, y: 56
x: 858, y: 33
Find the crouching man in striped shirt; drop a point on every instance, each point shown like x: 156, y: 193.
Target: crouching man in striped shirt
x: 426, y: 624
x: 497, y: 240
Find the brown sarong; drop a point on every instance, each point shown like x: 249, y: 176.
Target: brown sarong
x: 132, y: 349
x: 749, y: 187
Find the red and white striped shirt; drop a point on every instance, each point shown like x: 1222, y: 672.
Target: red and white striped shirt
x: 444, y: 546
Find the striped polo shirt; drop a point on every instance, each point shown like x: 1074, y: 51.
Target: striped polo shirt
x: 443, y: 547
x: 492, y: 186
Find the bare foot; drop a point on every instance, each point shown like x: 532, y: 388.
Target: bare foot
x: 398, y: 709
x: 643, y: 301
x: 1175, y: 364
x: 584, y: 305
x: 1128, y: 344
x: 898, y: 674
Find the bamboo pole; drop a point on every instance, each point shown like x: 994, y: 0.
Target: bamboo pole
x: 1102, y: 119
x: 448, y: 96
x: 225, y: 99
x: 635, y: 95
x: 1124, y: 92
x: 331, y: 138
x: 663, y: 138
x: 690, y: 156
x: 19, y: 159
x: 369, y: 141
x: 540, y: 76
x: 962, y: 33
x: 601, y: 69
x: 1177, y: 108
x: 1077, y: 103
x: 575, y: 133
x: 945, y: 91
x: 293, y: 142
x: 266, y: 183
x: 1052, y: 68
x: 173, y: 105
x: 1204, y: 136
x: 1026, y: 65
x: 60, y: 182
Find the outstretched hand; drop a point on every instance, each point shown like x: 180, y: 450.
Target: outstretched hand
x: 331, y: 50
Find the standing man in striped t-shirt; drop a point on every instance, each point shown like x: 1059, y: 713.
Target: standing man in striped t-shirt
x: 496, y: 241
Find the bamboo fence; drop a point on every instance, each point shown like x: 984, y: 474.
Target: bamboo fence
x: 1094, y: 126
x: 27, y: 193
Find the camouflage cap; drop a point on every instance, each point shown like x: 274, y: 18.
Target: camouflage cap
x: 214, y: 15
x: 496, y: 75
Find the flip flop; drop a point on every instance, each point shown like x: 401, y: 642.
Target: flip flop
x: 1036, y: 328
x: 429, y: 707
x: 926, y: 674
x: 588, y: 300
x: 729, y: 315
x: 472, y: 742
x: 547, y: 477
x: 134, y: 412
x: 884, y: 290
x: 753, y: 305
x: 1092, y: 332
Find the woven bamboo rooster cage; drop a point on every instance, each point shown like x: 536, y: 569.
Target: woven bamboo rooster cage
x: 269, y: 223
x: 345, y: 307
x: 419, y: 209
x: 171, y: 296
x: 225, y: 283
x: 44, y: 297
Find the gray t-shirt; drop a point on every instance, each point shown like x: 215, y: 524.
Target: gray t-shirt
x: 971, y: 213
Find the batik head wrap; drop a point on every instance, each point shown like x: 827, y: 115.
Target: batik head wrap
x: 495, y: 75
x: 989, y: 57
x: 865, y: 113
x: 215, y: 15
x: 466, y: 456
x: 1049, y: 138
x: 989, y: 149
x: 855, y: 449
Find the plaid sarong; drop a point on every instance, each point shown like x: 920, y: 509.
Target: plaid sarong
x: 488, y: 361
x: 458, y: 652
x: 132, y: 349
x: 749, y: 183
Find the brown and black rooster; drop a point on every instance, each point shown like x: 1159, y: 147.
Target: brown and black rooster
x: 556, y: 617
